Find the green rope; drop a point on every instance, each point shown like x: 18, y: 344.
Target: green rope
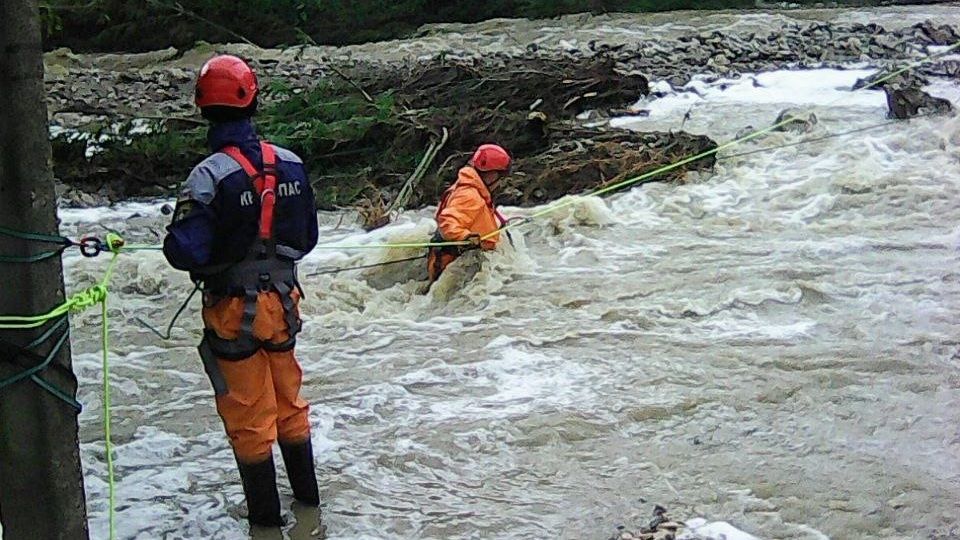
x: 364, y: 266
x: 115, y: 244
x: 105, y: 339
x: 34, y: 372
x: 35, y: 237
x: 98, y: 294
x: 403, y: 245
x: 46, y: 335
x: 58, y: 393
x: 176, y: 316
x: 616, y: 186
x: 46, y: 361
x: 613, y: 187
x: 78, y: 302
x: 142, y: 247
x: 812, y: 139
x: 42, y: 256
x: 400, y: 245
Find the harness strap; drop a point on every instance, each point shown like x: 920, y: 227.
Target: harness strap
x: 249, y: 311
x: 246, y: 344
x: 255, y: 275
x: 289, y: 309
x: 264, y: 182
x: 500, y: 217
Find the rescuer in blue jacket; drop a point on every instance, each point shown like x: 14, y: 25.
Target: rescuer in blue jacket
x: 245, y: 216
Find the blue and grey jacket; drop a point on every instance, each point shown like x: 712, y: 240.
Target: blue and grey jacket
x: 216, y: 219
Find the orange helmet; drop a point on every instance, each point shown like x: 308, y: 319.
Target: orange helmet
x: 227, y: 81
x: 490, y: 157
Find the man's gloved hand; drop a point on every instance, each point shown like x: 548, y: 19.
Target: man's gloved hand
x: 474, y: 242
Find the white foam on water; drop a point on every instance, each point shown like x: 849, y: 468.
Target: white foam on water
x: 700, y: 529
x: 72, y: 217
x: 517, y: 382
x: 804, y: 88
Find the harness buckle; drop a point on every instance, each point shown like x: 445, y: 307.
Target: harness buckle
x: 263, y: 282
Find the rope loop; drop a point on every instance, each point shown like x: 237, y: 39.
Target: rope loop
x: 88, y: 298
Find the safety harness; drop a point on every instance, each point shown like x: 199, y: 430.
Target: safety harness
x: 262, y: 270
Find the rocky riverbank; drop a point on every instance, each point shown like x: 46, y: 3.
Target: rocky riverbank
x: 366, y: 117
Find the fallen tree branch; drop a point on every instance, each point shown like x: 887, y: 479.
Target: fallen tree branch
x: 403, y: 196
x: 350, y: 81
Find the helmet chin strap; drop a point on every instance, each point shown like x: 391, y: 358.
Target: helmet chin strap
x: 493, y: 184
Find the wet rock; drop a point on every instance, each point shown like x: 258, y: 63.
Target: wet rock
x: 795, y: 120
x: 719, y: 60
x: 936, y: 35
x: 910, y: 102
x: 882, y: 79
x: 947, y: 69
x: 661, y: 528
x: 888, y: 41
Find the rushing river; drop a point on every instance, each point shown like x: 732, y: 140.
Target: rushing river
x: 773, y: 345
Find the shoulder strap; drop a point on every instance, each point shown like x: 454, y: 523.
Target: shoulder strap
x: 268, y: 191
x: 264, y: 182
x: 235, y: 153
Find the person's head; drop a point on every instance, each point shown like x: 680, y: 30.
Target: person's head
x: 226, y: 89
x: 492, y: 162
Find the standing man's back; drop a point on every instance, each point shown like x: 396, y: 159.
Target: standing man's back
x: 246, y: 215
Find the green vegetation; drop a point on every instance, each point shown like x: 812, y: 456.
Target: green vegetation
x: 339, y: 135
x: 123, y: 25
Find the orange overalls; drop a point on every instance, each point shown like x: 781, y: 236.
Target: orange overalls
x: 465, y: 209
x: 262, y: 402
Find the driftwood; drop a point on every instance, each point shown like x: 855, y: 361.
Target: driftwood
x: 552, y: 86
x: 440, y: 112
x: 580, y: 162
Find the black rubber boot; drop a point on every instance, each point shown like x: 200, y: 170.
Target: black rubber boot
x: 298, y: 459
x: 260, y: 489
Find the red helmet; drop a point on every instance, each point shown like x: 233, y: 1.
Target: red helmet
x: 226, y: 80
x: 490, y: 157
